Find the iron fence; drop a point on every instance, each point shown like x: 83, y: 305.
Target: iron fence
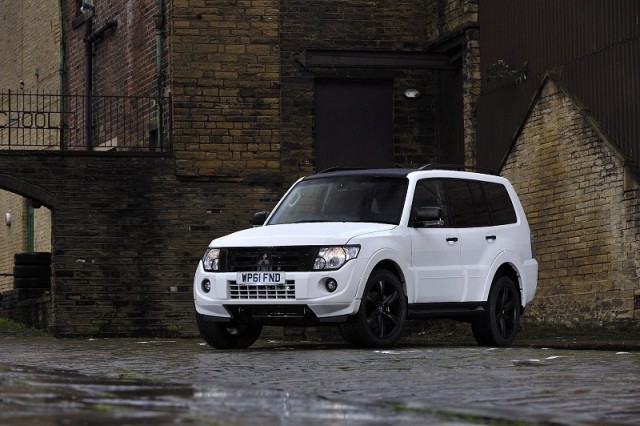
x: 84, y: 123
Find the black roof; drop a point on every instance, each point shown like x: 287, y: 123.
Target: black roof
x: 392, y: 173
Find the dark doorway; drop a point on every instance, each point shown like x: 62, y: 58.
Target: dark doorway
x: 353, y: 123
x: 450, y: 129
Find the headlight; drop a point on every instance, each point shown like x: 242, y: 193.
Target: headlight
x: 211, y: 260
x: 334, y: 257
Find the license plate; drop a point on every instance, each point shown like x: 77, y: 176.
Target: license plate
x: 260, y: 278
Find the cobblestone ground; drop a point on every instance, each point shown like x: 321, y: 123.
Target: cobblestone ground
x: 46, y: 381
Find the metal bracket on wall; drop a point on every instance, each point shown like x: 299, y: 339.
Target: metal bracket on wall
x: 309, y: 58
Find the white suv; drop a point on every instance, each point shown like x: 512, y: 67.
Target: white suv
x: 369, y: 249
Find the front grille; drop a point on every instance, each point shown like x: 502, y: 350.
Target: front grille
x: 262, y: 292
x: 299, y: 315
x: 286, y: 259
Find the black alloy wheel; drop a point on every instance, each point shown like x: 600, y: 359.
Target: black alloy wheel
x: 227, y: 335
x: 499, y: 324
x: 382, y: 313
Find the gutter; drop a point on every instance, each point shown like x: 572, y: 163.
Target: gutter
x: 158, y: 20
x: 61, y: 76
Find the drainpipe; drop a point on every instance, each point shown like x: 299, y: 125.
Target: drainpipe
x: 91, y: 37
x: 158, y: 20
x: 88, y: 82
x: 61, y: 78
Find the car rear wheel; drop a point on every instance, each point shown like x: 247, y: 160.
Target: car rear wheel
x: 225, y: 335
x: 499, y: 324
x: 382, y: 313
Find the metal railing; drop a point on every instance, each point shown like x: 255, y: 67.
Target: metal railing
x: 79, y: 123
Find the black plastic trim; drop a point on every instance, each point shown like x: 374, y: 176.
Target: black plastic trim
x: 446, y: 310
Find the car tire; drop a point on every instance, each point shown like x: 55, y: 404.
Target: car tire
x: 32, y: 271
x: 32, y: 258
x: 41, y: 283
x: 224, y: 335
x: 499, y: 324
x: 349, y: 334
x: 382, y: 312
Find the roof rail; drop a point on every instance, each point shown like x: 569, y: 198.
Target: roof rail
x: 338, y: 169
x: 458, y: 167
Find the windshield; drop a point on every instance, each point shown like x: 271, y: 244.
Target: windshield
x: 343, y: 199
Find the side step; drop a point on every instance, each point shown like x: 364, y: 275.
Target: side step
x: 445, y: 310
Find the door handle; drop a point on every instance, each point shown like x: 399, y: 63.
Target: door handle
x: 452, y: 240
x: 490, y: 238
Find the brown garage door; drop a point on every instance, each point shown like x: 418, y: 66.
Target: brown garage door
x: 353, y: 123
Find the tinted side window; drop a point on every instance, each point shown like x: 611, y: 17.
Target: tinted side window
x: 502, y: 211
x: 466, y: 203
x: 430, y: 193
x: 463, y: 212
x: 480, y: 203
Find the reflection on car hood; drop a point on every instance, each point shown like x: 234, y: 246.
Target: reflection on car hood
x: 299, y: 234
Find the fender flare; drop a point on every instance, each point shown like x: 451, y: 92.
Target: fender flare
x: 400, y: 263
x: 511, y: 260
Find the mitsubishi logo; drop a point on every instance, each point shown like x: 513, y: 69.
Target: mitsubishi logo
x: 264, y: 262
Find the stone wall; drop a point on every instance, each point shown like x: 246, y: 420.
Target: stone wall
x: 582, y: 205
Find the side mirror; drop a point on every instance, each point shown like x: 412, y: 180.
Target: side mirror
x: 428, y: 216
x: 259, y: 218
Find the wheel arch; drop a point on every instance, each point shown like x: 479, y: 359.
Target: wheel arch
x: 391, y: 260
x: 394, y: 268
x: 509, y: 270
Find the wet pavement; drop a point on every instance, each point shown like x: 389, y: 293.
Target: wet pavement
x: 47, y: 381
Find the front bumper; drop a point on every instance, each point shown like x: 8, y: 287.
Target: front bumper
x: 283, y: 303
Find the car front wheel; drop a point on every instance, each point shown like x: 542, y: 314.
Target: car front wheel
x: 224, y: 335
x: 499, y: 324
x: 382, y: 313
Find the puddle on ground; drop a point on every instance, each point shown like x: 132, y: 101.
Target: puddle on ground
x: 36, y: 397
x: 43, y: 397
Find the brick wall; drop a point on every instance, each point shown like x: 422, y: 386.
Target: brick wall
x: 355, y: 25
x: 445, y: 16
x: 448, y: 18
x: 127, y: 236
x: 29, y: 46
x: 582, y: 204
x: 12, y: 237
x: 29, y: 63
x: 29, y: 307
x: 243, y: 108
x: 124, y: 58
x: 224, y: 78
x: 471, y: 87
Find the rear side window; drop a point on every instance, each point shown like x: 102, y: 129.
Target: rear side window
x: 463, y: 209
x: 466, y: 203
x: 476, y: 203
x: 500, y: 206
